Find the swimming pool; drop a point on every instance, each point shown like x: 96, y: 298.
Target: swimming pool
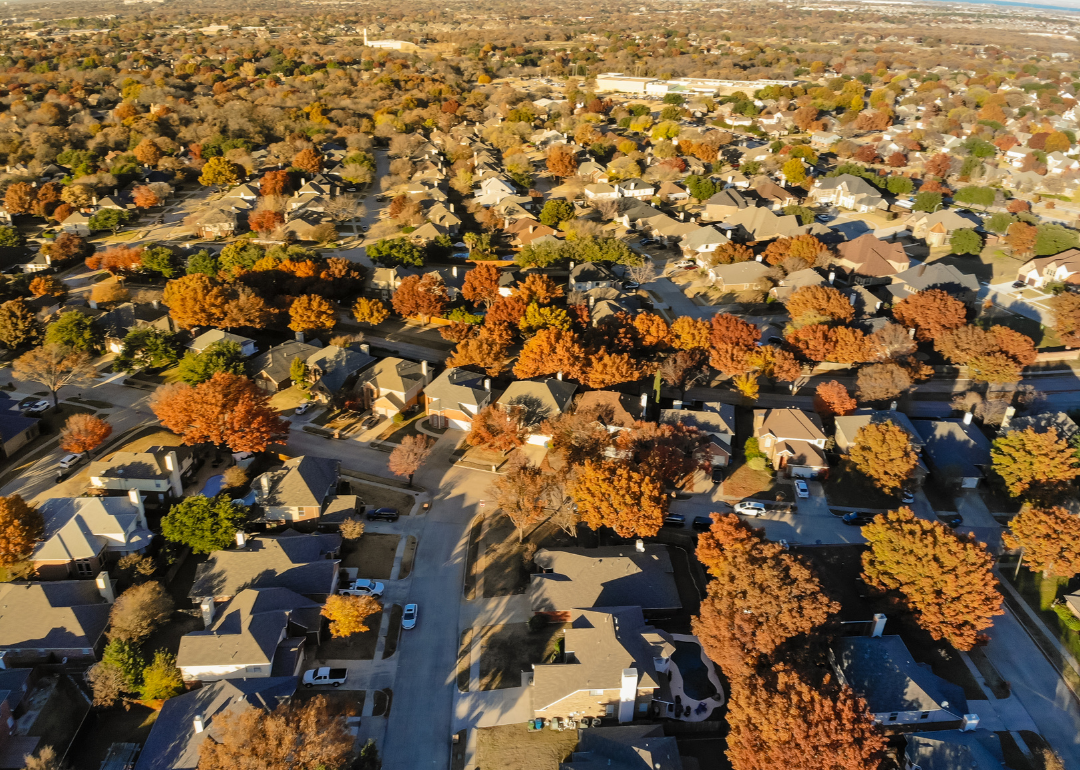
x: 213, y: 485
x: 695, y: 674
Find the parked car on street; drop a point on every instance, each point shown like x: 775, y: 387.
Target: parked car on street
x: 303, y: 407
x: 953, y: 520
x: 701, y: 523
x: 750, y: 509
x: 674, y: 520
x: 36, y: 408
x: 335, y: 677
x: 858, y: 518
x: 408, y: 618
x: 67, y: 461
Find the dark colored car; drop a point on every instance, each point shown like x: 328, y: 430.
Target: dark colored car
x: 1019, y: 284
x: 674, y: 520
x: 383, y: 514
x: 717, y: 475
x: 858, y: 518
x: 953, y: 520
x: 701, y: 523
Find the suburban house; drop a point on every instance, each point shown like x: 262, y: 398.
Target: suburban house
x: 1042, y: 423
x: 823, y: 140
x: 299, y: 490
x: 741, y: 276
x: 616, y: 411
x: 934, y: 275
x: 957, y: 452
x: 76, y: 223
x: 728, y: 202
x: 591, y: 275
x: 868, y: 259
x: 794, y: 281
x: 849, y: 192
x: 716, y: 421
x: 608, y: 576
x: 761, y: 224
x: 159, y: 471
x: 600, y: 191
x: 54, y: 621
x: 305, y: 564
x: 1059, y: 268
x: 635, y: 188
x: 535, y: 401
x: 129, y: 316
x: 936, y: 228
x: 272, y: 370
x: 185, y: 721
x: 82, y: 534
x: 702, y: 243
x: 608, y: 668
x: 206, y: 339
x: 455, y: 397
x: 16, y: 431
x: 626, y: 747
x: 848, y: 427
x: 392, y: 385
x: 898, y: 691
x: 332, y: 371
x: 260, y: 632
x: 793, y: 440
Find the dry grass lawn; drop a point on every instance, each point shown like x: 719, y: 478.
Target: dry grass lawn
x: 509, y: 649
x: 513, y: 747
x: 356, y: 647
x: 373, y: 555
x: 501, y: 558
x: 744, y: 481
x: 381, y: 497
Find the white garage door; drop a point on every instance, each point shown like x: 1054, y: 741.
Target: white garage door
x: 460, y: 424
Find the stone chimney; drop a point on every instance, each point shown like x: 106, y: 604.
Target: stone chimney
x: 105, y: 587
x: 199, y: 723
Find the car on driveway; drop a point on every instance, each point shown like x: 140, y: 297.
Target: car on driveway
x: 674, y: 520
x: 37, y: 407
x: 701, y: 524
x: 801, y: 489
x: 408, y: 617
x: 858, y: 518
x: 907, y: 496
x: 717, y: 474
x: 750, y: 509
x: 303, y: 407
x: 335, y: 677
x: 631, y: 285
x: 68, y: 461
x: 370, y: 422
x: 382, y: 514
x: 364, y: 587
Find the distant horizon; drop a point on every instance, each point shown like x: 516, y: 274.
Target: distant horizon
x: 1071, y: 5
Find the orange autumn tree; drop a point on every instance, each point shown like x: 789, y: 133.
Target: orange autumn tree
x: 833, y: 398
x: 931, y: 313
x: 196, y: 300
x: 84, y: 433
x: 607, y: 369
x: 944, y: 578
x: 549, y: 352
x: 226, y: 410
x: 21, y: 528
x: 1050, y: 538
x: 347, y: 614
x: 613, y: 494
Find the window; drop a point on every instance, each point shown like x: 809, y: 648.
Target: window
x: 609, y: 710
x: 83, y: 568
x: 256, y: 669
x: 643, y: 707
x: 892, y: 717
x: 924, y: 715
x: 596, y: 692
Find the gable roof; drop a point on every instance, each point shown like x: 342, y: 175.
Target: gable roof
x: 869, y: 255
x: 289, y: 560
x: 932, y: 276
x: 853, y: 184
x: 789, y: 424
x: 704, y: 236
x: 458, y: 387
x: 394, y: 374
x: 609, y: 576
x: 139, y: 465
x: 173, y: 743
x: 81, y: 527
x: 336, y: 364
x: 301, y: 482
x: 954, y: 447
x: 625, y: 747
x: 275, y: 363
x: 62, y: 614
x: 951, y: 751
x: 882, y: 670
x: 591, y: 272
x: 538, y: 400
x: 848, y: 425
x: 625, y: 410
x: 208, y: 338
x: 763, y: 223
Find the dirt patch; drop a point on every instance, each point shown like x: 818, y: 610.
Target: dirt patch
x: 1044, y: 756
x: 513, y: 747
x: 286, y: 401
x: 407, y: 558
x: 393, y: 632
x: 355, y: 647
x: 373, y: 555
x: 464, y: 660
x: 380, y: 497
x: 501, y: 558
x: 383, y: 700
x: 507, y: 650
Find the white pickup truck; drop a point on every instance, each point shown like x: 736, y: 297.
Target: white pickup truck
x: 323, y: 676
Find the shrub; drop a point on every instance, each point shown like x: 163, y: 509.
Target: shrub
x: 1067, y: 617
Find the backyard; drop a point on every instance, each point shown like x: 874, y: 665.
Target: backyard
x: 513, y: 747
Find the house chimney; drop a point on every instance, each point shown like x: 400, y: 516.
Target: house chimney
x: 299, y: 336
x: 639, y: 545
x: 592, y: 301
x: 172, y: 465
x: 451, y: 208
x: 206, y: 605
x: 453, y: 271
x: 199, y: 723
x: 879, y: 625
x: 969, y: 723
x: 892, y: 406
x: 365, y: 348
x: 424, y: 369
x: 911, y: 332
x: 93, y: 304
x: 851, y: 298
x: 487, y: 384
x: 967, y: 418
x: 571, y: 265
x: 1010, y: 411
x: 627, y: 695
x: 644, y: 400
x: 558, y: 376
x: 105, y: 587
x: 136, y: 500
x: 677, y: 404
x: 241, y: 538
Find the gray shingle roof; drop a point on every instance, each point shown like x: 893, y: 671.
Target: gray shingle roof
x: 63, y: 614
x: 301, y: 482
x: 610, y: 576
x: 289, y: 560
x: 274, y: 363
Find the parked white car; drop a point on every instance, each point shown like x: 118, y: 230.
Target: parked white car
x: 801, y: 489
x: 408, y: 617
x: 750, y: 509
x: 304, y: 407
x: 364, y: 587
x: 67, y: 461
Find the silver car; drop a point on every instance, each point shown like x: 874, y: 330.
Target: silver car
x: 408, y: 618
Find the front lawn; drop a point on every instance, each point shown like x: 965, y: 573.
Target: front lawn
x: 372, y: 555
x: 355, y: 647
x: 849, y: 488
x: 509, y: 649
